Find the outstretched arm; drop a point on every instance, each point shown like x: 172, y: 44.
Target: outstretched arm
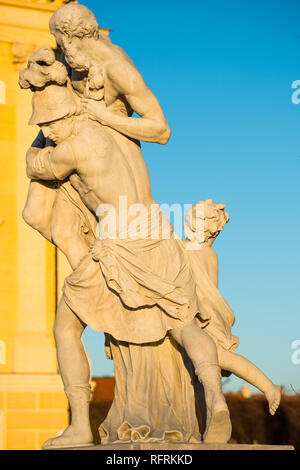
x: 128, y: 82
x: 50, y: 163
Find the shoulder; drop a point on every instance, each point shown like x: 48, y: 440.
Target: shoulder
x: 71, y: 146
x: 208, y: 257
x: 89, y: 131
x: 87, y: 140
x: 63, y: 154
x: 123, y: 74
x: 62, y: 148
x: 211, y: 255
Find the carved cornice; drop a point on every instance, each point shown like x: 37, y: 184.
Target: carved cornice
x: 25, y: 24
x: 48, y: 5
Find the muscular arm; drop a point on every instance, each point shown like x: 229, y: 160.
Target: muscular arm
x: 41, y: 195
x: 37, y: 164
x: 50, y: 163
x: 128, y: 82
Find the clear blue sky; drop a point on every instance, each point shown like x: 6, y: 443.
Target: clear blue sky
x: 222, y: 72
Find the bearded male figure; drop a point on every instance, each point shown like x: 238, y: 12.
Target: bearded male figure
x: 102, y: 160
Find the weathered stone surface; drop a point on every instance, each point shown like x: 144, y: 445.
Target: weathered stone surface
x: 168, y: 329
x: 186, y: 447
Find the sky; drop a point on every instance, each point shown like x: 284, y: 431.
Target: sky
x: 223, y: 74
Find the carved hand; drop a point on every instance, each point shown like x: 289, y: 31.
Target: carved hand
x: 34, y: 157
x: 96, y: 110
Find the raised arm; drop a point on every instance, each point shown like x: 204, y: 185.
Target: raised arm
x: 50, y: 163
x: 128, y: 82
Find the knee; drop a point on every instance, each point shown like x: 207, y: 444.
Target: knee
x: 37, y: 221
x: 27, y: 215
x: 32, y: 218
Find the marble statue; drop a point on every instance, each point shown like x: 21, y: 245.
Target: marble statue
x: 155, y: 297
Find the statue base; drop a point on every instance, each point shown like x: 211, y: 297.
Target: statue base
x: 168, y: 446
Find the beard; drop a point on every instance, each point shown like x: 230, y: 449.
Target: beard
x: 77, y: 61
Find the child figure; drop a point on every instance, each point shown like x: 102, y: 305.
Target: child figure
x: 203, y: 223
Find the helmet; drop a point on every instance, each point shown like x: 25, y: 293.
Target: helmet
x: 51, y: 103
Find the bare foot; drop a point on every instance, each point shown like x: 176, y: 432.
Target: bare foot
x: 218, y: 424
x: 273, y: 395
x: 71, y: 437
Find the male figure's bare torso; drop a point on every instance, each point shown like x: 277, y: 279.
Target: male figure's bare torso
x: 124, y: 171
x: 98, y: 169
x: 124, y: 92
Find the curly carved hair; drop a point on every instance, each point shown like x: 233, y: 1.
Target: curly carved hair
x: 42, y: 68
x: 206, y: 217
x: 74, y: 20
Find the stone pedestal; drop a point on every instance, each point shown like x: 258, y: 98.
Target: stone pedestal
x: 170, y: 446
x: 33, y: 408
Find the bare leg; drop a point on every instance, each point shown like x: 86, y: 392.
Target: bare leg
x: 67, y: 233
x: 203, y: 353
x: 39, y: 205
x: 75, y: 372
x: 67, y: 229
x: 241, y: 367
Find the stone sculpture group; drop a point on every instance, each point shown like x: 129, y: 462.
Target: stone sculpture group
x: 155, y: 296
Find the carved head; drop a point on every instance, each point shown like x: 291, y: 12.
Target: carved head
x: 53, y: 110
x: 72, y: 25
x: 53, y: 97
x: 204, y: 221
x: 42, y: 68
